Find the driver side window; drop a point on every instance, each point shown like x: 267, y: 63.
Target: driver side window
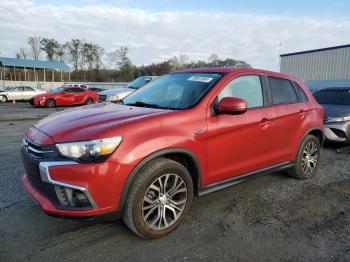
x: 247, y: 88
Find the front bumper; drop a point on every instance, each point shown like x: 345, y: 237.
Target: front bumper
x: 36, y: 102
x: 337, y: 132
x: 46, y: 178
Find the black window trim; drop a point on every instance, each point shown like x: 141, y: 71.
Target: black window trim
x: 298, y: 87
x: 270, y: 92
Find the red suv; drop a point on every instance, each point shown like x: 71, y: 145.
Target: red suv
x: 64, y: 96
x: 187, y: 133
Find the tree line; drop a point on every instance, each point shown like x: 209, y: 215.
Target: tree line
x: 91, y: 62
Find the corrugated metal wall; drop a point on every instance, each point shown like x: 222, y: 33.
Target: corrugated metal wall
x: 332, y: 64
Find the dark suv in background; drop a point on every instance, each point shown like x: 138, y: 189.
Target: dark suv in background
x: 336, y: 104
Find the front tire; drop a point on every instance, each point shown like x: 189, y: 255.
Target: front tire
x: 50, y: 103
x: 159, y: 198
x: 307, y: 159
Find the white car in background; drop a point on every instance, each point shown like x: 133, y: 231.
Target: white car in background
x: 19, y: 93
x: 115, y: 94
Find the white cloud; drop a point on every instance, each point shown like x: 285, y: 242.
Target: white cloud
x: 155, y: 36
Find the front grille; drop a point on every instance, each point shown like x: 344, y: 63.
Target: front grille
x: 32, y: 154
x: 40, y: 151
x: 31, y: 101
x: 31, y: 166
x: 102, y: 98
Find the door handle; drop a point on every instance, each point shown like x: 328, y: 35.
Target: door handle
x: 264, y: 123
x: 302, y: 113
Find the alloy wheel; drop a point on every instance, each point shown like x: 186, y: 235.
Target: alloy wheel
x: 310, y: 157
x: 164, y: 201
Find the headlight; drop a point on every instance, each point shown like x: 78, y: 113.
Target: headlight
x: 42, y: 98
x: 338, y: 119
x: 90, y: 151
x: 113, y: 98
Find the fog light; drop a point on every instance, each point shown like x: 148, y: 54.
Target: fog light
x: 69, y: 197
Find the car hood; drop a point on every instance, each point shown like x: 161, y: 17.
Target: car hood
x: 116, y: 91
x: 336, y: 110
x: 92, y: 122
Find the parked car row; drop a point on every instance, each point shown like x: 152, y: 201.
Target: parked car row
x: 116, y: 94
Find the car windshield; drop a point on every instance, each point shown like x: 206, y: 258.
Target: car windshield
x: 139, y: 82
x: 56, y: 90
x: 173, y: 91
x: 333, y: 97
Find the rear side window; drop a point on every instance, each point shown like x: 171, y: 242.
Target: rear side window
x: 27, y: 88
x: 69, y: 90
x: 282, y: 91
x: 301, y: 93
x: 247, y: 88
x: 73, y: 90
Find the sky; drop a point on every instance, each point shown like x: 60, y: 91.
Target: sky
x: 253, y: 31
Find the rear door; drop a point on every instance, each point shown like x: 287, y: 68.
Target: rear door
x: 286, y: 115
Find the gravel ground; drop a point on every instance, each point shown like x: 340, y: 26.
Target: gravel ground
x: 266, y: 219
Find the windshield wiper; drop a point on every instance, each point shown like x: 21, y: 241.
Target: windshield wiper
x: 143, y: 104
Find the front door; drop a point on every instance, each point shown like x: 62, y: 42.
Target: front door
x: 239, y: 144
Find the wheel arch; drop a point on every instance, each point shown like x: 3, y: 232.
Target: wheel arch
x: 317, y: 132
x: 181, y: 155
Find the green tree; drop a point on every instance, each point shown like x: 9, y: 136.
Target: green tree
x: 50, y: 46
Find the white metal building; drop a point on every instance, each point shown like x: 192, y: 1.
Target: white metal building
x: 332, y: 63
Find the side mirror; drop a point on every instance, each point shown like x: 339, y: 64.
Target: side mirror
x: 231, y: 105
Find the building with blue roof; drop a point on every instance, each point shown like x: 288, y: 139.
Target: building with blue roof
x: 32, y: 70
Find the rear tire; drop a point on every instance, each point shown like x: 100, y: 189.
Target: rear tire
x: 159, y: 198
x: 50, y: 103
x: 89, y: 101
x: 307, y: 159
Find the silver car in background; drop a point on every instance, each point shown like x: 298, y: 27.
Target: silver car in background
x: 19, y: 93
x: 115, y: 94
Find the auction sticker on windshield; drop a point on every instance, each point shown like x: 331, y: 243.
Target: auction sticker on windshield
x: 203, y: 79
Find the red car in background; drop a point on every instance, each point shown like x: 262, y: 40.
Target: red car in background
x: 64, y: 96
